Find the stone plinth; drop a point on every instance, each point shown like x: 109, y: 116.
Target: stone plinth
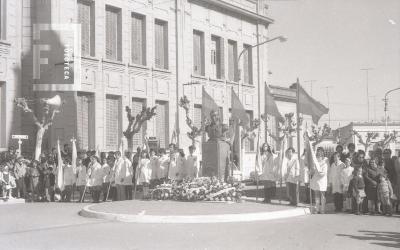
x: 215, y: 156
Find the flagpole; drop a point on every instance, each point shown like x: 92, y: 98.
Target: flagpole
x: 298, y: 132
x: 257, y: 161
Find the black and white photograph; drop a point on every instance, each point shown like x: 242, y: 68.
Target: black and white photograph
x: 199, y: 124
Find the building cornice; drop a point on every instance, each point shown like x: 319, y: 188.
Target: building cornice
x: 236, y: 9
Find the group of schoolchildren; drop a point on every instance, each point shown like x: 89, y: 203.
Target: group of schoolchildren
x: 355, y: 184
x: 104, y: 175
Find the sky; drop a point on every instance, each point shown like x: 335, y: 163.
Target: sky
x: 330, y: 42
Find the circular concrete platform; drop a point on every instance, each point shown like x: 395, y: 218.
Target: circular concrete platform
x: 189, y: 212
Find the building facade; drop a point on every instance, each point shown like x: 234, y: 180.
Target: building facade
x: 363, y: 128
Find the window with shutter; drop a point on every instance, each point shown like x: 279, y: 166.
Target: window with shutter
x: 83, y: 109
x: 113, y: 36
x: 232, y: 61
x: 162, y: 123
x: 161, y: 44
x: 113, y: 132
x: 198, y: 53
x: 1, y: 19
x: 137, y: 107
x: 2, y: 115
x: 217, y: 57
x: 85, y: 19
x: 138, y: 39
x: 247, y: 65
x: 197, y: 116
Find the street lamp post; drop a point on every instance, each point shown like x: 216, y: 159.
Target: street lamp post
x: 386, y: 100
x: 239, y: 72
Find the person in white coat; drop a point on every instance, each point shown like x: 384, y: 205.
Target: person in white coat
x: 335, y: 181
x: 154, y: 164
x: 128, y: 180
x: 270, y: 172
x: 119, y: 176
x: 106, y: 168
x: 173, y: 172
x: 96, y: 175
x: 69, y: 180
x: 163, y: 165
x: 292, y: 174
x: 192, y: 164
x: 145, y: 173
x: 346, y: 175
x: 319, y: 180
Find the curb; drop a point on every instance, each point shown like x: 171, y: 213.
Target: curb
x: 188, y: 219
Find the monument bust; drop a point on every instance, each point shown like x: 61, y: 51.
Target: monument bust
x: 215, y: 130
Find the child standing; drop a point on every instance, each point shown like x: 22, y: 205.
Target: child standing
x: 385, y: 192
x: 346, y: 175
x: 81, y: 177
x: 356, y: 188
x: 192, y: 164
x: 7, y: 181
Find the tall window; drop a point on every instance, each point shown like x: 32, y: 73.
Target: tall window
x: 137, y: 106
x: 161, y: 44
x: 247, y: 64
x: 198, y: 53
x: 2, y: 114
x: 112, y: 122
x: 86, y: 19
x: 3, y: 16
x: 84, y: 122
x: 232, y: 61
x: 217, y: 57
x: 138, y: 39
x: 113, y: 33
x: 162, y: 123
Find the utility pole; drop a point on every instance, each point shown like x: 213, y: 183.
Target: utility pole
x: 366, y: 73
x: 329, y: 104
x: 374, y: 98
x: 311, y: 82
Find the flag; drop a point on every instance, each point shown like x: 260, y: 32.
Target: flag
x: 207, y: 105
x: 74, y: 153
x: 310, y: 158
x: 60, y: 172
x: 121, y: 147
x: 238, y: 111
x: 308, y: 105
x: 98, y: 151
x: 174, y: 137
x: 258, y: 167
x: 270, y: 105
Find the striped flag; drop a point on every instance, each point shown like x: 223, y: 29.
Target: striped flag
x: 74, y: 153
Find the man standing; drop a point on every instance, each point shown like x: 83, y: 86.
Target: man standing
x: 20, y: 173
x: 389, y: 166
x: 129, y: 175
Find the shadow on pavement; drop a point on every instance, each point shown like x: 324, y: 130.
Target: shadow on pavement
x: 385, y: 239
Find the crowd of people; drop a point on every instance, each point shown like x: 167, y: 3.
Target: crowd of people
x: 355, y: 184
x: 105, y: 175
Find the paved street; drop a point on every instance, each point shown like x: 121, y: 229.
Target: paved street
x: 58, y: 226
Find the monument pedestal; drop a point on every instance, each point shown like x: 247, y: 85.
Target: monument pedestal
x: 215, y: 158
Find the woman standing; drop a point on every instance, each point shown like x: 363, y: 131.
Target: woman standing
x: 292, y: 169
x: 319, y: 181
x: 396, y: 189
x: 269, y: 172
x: 335, y: 181
x: 371, y: 183
x: 145, y: 172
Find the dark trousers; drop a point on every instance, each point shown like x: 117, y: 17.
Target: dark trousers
x: 66, y: 193
x: 338, y: 200
x: 269, y: 191
x: 128, y: 191
x: 104, y: 190
x: 96, y: 190
x: 293, y: 194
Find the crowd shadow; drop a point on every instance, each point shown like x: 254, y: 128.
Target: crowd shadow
x: 385, y: 239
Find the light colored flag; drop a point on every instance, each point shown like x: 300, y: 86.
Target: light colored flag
x: 98, y: 151
x: 74, y: 153
x: 308, y: 105
x: 60, y: 170
x: 270, y: 105
x: 238, y: 111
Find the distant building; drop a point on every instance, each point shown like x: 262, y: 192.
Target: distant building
x: 369, y: 127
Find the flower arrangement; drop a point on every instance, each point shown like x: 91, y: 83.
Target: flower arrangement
x: 198, y: 189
